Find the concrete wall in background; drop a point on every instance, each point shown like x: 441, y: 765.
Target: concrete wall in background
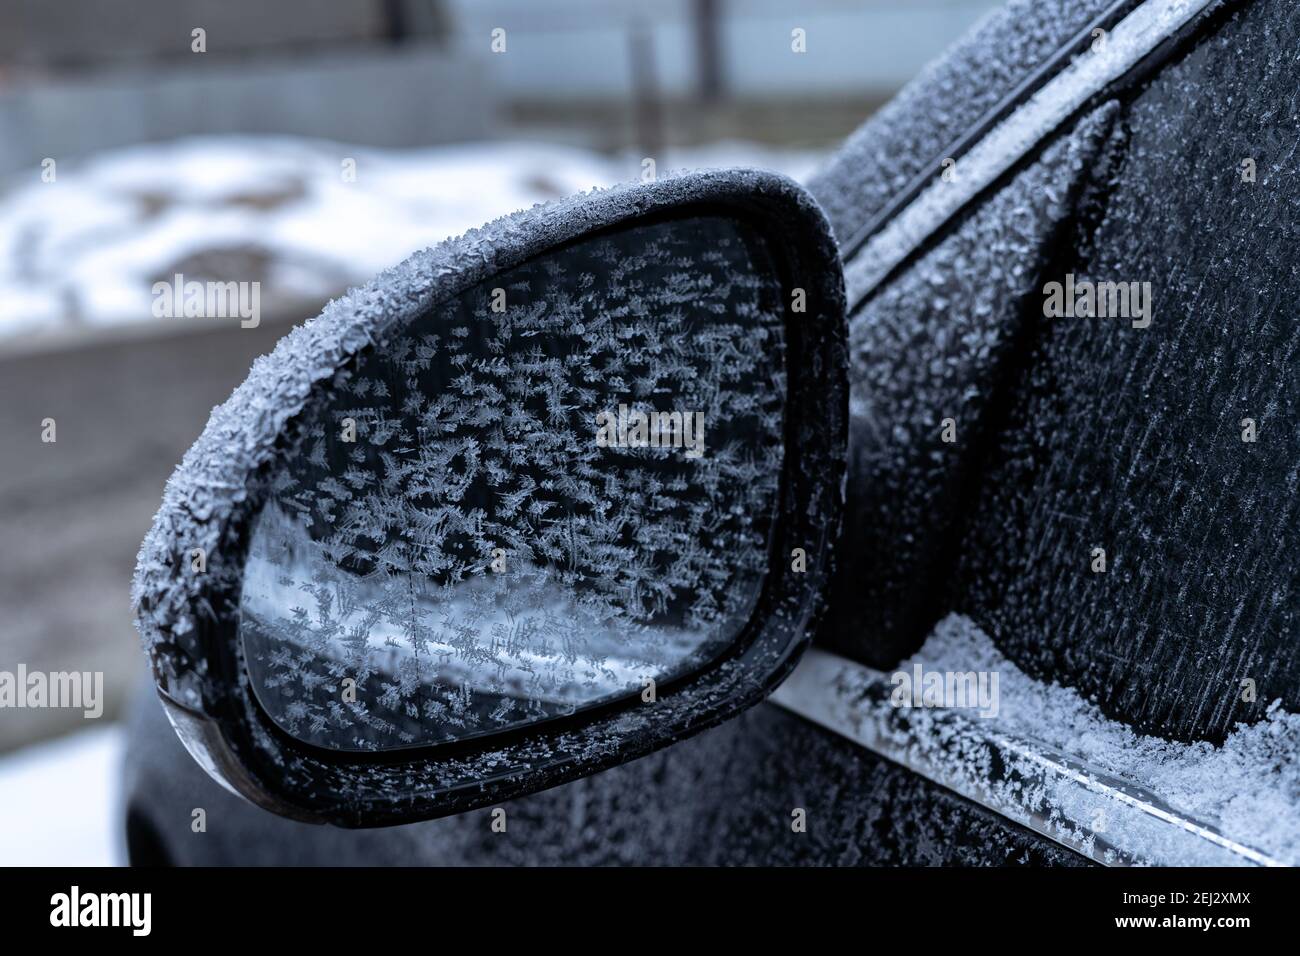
x: 57, y: 36
x: 411, y: 95
x: 79, y: 76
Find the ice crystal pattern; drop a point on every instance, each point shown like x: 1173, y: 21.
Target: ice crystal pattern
x: 472, y: 560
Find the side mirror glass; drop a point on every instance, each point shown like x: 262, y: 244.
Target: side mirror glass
x: 537, y: 502
x: 551, y: 491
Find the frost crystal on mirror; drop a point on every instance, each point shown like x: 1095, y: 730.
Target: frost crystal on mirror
x: 552, y: 491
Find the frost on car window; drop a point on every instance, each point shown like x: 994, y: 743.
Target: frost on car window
x: 478, y: 528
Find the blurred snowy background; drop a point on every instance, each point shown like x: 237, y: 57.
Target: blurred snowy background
x: 83, y: 253
x: 127, y: 157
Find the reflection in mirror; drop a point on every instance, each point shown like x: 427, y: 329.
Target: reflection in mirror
x: 553, y: 491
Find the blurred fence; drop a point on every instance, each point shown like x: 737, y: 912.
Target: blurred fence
x: 582, y: 48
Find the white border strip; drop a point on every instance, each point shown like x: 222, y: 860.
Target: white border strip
x: 1132, y: 38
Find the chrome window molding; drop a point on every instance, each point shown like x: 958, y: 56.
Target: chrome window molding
x: 1024, y: 780
x: 887, y: 242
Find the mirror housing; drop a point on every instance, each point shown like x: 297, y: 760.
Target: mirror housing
x: 189, y: 621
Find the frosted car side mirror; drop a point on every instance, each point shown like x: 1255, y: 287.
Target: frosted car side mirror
x: 536, y: 502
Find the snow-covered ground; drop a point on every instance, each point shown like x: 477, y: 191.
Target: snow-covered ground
x: 60, y: 803
x: 305, y: 218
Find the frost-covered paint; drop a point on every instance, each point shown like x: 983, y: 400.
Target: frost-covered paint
x: 1132, y: 38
